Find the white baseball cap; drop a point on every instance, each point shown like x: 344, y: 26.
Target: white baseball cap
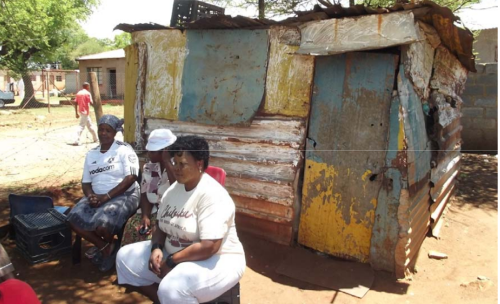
x: 160, y: 139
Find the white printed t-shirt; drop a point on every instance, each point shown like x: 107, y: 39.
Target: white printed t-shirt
x: 106, y: 170
x: 204, y: 213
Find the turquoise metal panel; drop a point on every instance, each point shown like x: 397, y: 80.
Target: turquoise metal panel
x: 224, y: 76
x: 329, y: 77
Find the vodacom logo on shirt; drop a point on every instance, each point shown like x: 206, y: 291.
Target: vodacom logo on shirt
x: 103, y: 169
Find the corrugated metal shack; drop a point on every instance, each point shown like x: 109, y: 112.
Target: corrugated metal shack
x: 339, y: 129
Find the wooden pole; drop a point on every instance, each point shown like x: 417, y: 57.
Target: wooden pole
x: 96, y: 96
x: 48, y: 90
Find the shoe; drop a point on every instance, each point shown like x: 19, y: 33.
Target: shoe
x: 109, y: 261
x: 91, y: 252
x: 97, y: 259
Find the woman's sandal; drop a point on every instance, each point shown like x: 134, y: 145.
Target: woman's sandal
x: 109, y: 261
x: 90, y: 254
x: 97, y: 258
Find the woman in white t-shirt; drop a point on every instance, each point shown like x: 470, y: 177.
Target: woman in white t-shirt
x: 195, y: 255
x: 111, y: 193
x: 157, y: 176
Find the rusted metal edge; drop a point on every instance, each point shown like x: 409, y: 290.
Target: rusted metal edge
x: 140, y: 95
x: 444, y: 178
x: 442, y: 204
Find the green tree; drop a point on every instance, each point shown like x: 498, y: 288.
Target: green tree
x: 122, y: 40
x: 33, y: 31
x: 274, y: 8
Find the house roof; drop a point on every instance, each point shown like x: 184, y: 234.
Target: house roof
x: 104, y: 55
x: 480, y: 16
x: 454, y: 35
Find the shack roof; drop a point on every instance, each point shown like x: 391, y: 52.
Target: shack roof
x: 454, y: 35
x: 104, y: 55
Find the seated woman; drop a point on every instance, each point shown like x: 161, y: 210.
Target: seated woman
x: 157, y: 176
x: 195, y: 255
x: 111, y: 193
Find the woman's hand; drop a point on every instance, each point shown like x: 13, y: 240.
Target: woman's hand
x: 155, y: 264
x: 146, y: 223
x: 93, y: 200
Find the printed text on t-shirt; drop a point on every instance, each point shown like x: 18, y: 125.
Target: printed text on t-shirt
x: 169, y: 212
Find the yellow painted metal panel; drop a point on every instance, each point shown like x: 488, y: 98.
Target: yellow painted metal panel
x: 324, y: 224
x: 131, y: 64
x: 166, y: 54
x: 289, y: 77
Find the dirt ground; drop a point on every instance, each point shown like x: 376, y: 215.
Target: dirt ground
x: 37, y: 158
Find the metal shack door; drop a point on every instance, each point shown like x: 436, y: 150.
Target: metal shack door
x: 346, y: 148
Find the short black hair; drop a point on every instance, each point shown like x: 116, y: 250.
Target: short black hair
x: 197, y: 146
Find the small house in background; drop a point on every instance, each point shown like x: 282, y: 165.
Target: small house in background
x: 110, y: 69
x: 339, y: 129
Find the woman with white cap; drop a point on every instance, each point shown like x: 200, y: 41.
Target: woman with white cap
x: 157, y: 176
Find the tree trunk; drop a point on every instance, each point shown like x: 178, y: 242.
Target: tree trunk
x: 96, y: 95
x: 29, y: 100
x: 262, y: 9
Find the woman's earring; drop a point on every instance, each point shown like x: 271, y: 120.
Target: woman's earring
x: 200, y: 170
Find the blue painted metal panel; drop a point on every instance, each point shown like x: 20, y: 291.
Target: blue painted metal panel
x: 224, y: 76
x: 329, y: 77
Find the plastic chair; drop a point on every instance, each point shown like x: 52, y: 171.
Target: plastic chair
x: 217, y: 173
x: 25, y: 204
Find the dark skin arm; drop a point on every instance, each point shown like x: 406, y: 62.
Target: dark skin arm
x: 97, y: 200
x: 146, y: 208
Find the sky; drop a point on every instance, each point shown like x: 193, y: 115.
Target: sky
x: 112, y: 12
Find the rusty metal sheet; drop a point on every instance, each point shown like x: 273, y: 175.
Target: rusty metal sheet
x: 417, y: 141
x: 413, y: 215
x: 449, y: 75
x: 337, y: 36
x: 418, y: 59
x: 166, y: 51
x: 131, y: 74
x: 262, y: 163
x: 269, y: 230
x: 140, y: 93
x: 346, y: 152
x: 385, y: 228
x: 224, y: 76
x: 458, y: 39
x: 289, y: 77
x: 264, y: 130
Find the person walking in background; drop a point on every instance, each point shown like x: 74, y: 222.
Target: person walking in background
x: 82, y: 101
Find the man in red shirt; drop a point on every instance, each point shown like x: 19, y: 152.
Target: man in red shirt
x: 82, y: 109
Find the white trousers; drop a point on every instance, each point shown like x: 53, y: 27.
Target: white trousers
x: 85, y: 121
x: 189, y: 282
